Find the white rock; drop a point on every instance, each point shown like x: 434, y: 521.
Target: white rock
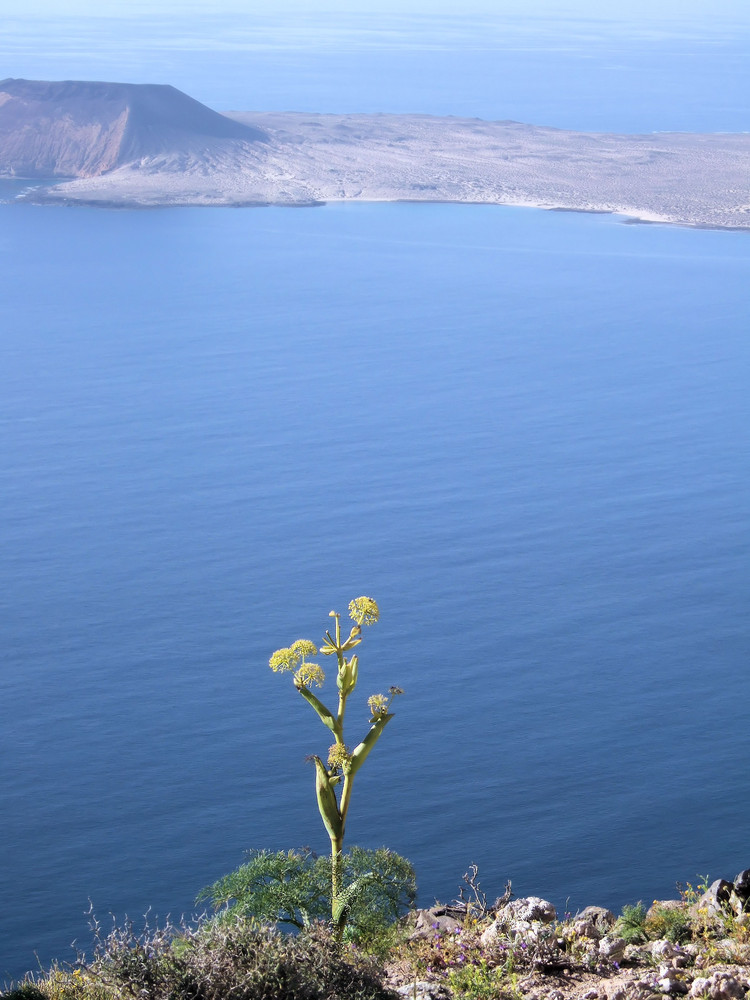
x: 663, y: 949
x: 612, y: 948
x: 529, y: 908
x: 670, y: 980
x: 719, y: 986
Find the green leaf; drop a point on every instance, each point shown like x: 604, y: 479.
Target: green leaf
x: 361, y: 751
x: 347, y: 676
x: 327, y: 804
x: 326, y: 716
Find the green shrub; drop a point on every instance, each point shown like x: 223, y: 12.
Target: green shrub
x: 631, y: 924
x: 478, y: 981
x: 294, y: 887
x: 670, y: 922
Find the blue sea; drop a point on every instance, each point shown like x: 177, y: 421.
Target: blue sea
x: 525, y: 433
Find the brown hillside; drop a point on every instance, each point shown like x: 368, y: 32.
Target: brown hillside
x: 83, y: 129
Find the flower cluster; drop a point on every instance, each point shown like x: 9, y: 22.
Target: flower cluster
x: 364, y: 611
x: 378, y: 704
x: 308, y: 674
x: 338, y: 756
x: 292, y: 656
x: 283, y: 660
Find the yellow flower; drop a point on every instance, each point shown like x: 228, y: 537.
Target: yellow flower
x: 304, y: 647
x: 309, y: 673
x: 283, y: 659
x: 378, y: 704
x: 290, y: 658
x: 338, y: 755
x: 364, y: 611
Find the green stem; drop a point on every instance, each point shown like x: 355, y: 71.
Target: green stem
x: 337, y: 858
x: 346, y: 794
x: 340, y: 659
x: 337, y: 864
x: 342, y: 698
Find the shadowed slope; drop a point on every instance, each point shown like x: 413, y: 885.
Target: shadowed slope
x: 83, y: 129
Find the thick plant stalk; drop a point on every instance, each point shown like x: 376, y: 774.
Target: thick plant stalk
x: 338, y: 913
x: 343, y: 764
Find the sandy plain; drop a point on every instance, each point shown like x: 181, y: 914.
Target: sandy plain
x: 687, y: 179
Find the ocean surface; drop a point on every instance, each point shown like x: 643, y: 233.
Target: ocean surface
x: 525, y: 433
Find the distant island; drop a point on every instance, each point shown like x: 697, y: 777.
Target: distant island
x: 140, y: 145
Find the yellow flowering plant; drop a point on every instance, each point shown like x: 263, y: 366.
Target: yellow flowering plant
x: 334, y: 778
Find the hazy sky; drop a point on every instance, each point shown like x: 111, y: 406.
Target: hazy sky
x: 600, y: 9
x: 613, y: 65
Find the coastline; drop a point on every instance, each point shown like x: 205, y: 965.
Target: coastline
x: 699, y: 181
x: 65, y: 200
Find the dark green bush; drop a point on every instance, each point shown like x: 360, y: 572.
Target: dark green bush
x: 27, y: 990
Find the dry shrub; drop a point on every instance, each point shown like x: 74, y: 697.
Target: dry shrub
x: 219, y: 960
